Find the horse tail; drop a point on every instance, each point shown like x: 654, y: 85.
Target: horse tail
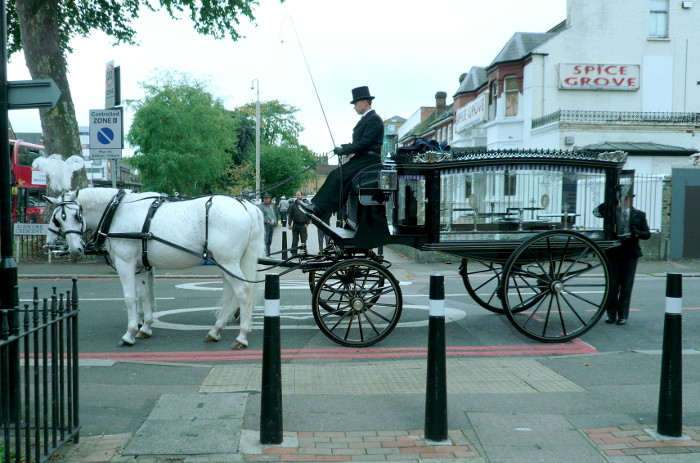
x: 256, y: 247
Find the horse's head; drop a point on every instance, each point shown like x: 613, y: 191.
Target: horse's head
x: 67, y: 223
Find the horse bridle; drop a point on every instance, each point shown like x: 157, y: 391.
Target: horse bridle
x: 63, y: 205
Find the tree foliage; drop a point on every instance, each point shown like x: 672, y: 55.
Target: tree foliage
x: 182, y: 134
x: 278, y: 126
x: 279, y: 163
x: 218, y: 18
x: 246, y: 137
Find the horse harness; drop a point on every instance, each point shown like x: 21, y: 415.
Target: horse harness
x: 63, y: 205
x: 145, y: 235
x: 102, y: 233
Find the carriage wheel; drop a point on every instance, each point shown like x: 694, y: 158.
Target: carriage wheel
x: 564, y: 278
x: 357, y: 303
x: 313, y: 281
x: 483, y: 283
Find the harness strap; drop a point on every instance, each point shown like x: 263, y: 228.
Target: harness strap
x: 98, y: 239
x: 146, y: 235
x: 145, y: 230
x: 207, y: 206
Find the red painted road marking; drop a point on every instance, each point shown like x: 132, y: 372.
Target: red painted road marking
x: 574, y: 347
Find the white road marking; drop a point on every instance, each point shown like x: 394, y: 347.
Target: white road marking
x: 292, y: 312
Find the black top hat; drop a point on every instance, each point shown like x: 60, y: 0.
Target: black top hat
x: 361, y: 93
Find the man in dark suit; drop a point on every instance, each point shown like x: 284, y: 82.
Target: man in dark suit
x: 623, y: 263
x: 366, y: 148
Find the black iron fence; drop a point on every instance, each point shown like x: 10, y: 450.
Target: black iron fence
x: 616, y: 117
x: 39, y: 400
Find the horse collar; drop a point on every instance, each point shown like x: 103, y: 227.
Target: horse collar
x: 145, y: 230
x: 106, y: 219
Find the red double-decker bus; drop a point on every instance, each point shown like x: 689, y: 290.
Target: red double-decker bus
x: 28, y: 184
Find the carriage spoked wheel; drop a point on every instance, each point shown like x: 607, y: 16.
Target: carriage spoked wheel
x: 563, y: 277
x: 482, y: 281
x: 313, y: 281
x: 357, y: 303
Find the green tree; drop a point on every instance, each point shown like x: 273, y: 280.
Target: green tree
x: 44, y: 28
x: 278, y: 126
x: 182, y: 134
x: 246, y: 137
x: 278, y: 163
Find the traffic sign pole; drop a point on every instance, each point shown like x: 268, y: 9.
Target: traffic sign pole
x: 8, y: 267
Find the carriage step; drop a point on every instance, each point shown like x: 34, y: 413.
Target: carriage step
x: 278, y: 262
x: 338, y: 235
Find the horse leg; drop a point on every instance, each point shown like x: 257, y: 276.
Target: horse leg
x: 144, y: 291
x: 245, y: 294
x: 127, y: 278
x: 222, y: 317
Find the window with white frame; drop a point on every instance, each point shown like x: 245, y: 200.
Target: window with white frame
x: 658, y: 18
x: 511, y: 90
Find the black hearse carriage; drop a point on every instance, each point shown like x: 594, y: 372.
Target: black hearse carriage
x: 530, y: 226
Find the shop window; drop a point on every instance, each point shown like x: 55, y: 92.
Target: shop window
x: 493, y: 99
x: 658, y: 18
x: 511, y: 89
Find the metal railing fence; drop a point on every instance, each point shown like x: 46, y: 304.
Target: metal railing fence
x: 39, y: 399
x: 567, y: 115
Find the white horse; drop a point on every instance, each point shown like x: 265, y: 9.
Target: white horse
x: 183, y: 233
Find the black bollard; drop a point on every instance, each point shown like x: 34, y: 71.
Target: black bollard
x: 284, y: 240
x: 670, y: 416
x: 271, y: 392
x: 436, y: 386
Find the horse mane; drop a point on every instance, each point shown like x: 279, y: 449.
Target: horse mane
x: 96, y: 196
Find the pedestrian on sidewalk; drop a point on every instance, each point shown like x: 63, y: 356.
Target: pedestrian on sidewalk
x: 283, y: 207
x: 298, y: 223
x: 623, y: 261
x: 270, y: 220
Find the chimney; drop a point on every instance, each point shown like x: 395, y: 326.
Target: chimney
x: 440, y: 102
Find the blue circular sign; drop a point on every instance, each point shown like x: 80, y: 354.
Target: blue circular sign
x: 105, y: 135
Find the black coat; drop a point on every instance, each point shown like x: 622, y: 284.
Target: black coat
x: 367, y: 136
x: 629, y: 248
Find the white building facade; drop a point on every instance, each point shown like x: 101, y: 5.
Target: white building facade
x: 622, y: 71
x: 614, y: 72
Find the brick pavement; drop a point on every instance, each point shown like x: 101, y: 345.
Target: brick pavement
x: 634, y: 440
x: 369, y: 446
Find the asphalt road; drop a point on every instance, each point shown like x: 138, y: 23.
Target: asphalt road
x: 186, y: 311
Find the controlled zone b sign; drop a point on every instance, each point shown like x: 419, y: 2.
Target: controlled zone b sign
x: 106, y: 134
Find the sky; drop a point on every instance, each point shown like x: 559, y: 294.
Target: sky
x: 404, y: 50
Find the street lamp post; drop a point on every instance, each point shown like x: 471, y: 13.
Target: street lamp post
x: 256, y: 85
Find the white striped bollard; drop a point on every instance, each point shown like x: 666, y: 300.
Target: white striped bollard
x: 670, y: 415
x: 271, y: 392
x: 436, y: 385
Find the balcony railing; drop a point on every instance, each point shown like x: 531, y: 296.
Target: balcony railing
x: 616, y: 117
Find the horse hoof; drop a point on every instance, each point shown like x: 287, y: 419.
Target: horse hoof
x: 238, y: 345
x: 142, y: 335
x: 209, y: 338
x: 123, y: 343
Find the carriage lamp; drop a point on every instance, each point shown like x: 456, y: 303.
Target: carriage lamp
x: 388, y: 180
